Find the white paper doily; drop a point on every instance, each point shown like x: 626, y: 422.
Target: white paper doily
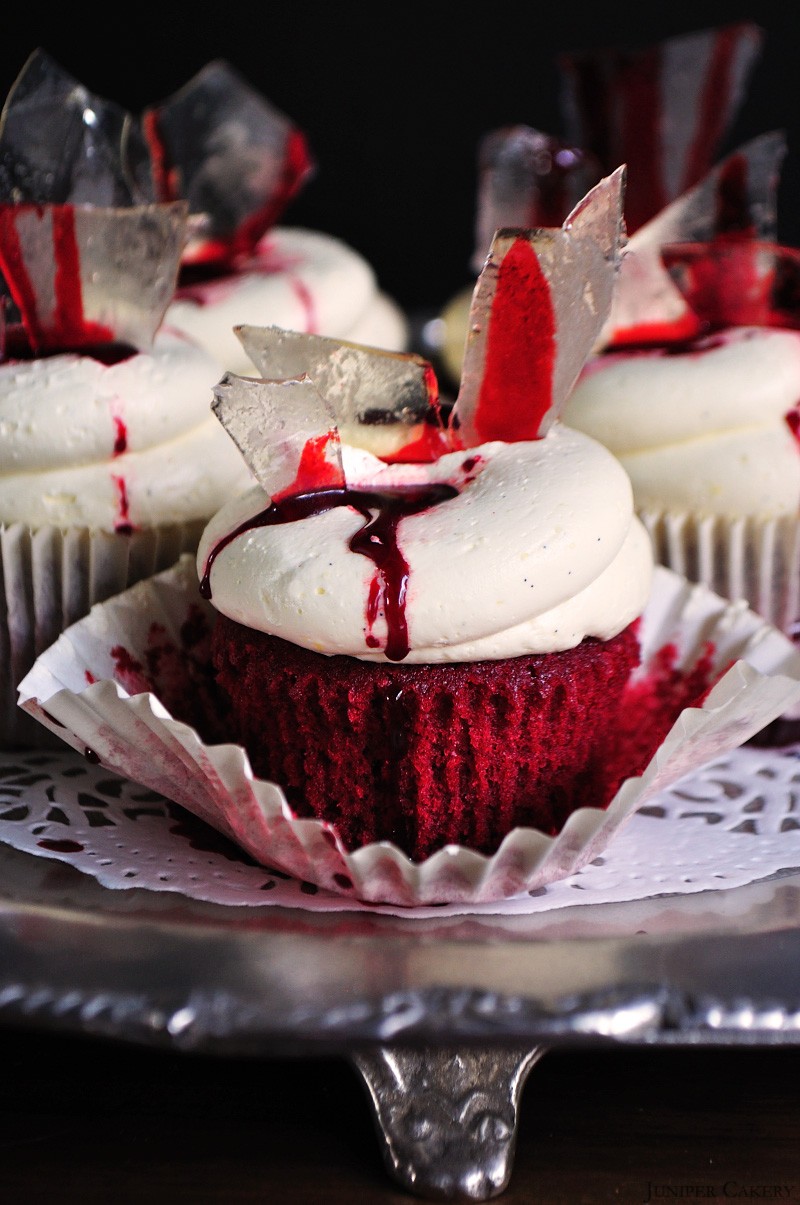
x: 733, y: 822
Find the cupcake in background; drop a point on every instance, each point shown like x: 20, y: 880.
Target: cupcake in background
x: 238, y: 162
x: 696, y: 381
x: 111, y: 460
x: 663, y: 110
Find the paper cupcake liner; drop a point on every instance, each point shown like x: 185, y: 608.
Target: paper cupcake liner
x: 754, y: 559
x: 72, y: 691
x: 50, y: 578
x: 757, y: 560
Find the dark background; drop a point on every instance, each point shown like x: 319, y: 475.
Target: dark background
x: 394, y: 99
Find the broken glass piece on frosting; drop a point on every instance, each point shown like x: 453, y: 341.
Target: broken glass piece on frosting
x: 737, y: 200
x: 662, y: 109
x: 83, y: 275
x: 60, y: 143
x: 527, y: 178
x: 386, y: 402
x: 286, y: 432
x: 232, y: 155
x: 537, y: 309
x: 737, y: 282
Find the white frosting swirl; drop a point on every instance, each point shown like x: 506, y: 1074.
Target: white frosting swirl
x: 302, y: 280
x: 703, y: 430
x: 106, y: 446
x: 538, y: 550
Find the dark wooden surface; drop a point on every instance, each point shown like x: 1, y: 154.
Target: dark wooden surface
x: 89, y: 1121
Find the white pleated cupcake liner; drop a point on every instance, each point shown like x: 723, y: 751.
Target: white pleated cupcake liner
x: 50, y: 577
x: 738, y: 557
x: 72, y: 692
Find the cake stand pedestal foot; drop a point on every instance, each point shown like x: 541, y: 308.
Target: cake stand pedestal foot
x: 447, y: 1116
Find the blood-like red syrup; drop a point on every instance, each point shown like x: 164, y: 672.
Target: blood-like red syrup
x: 377, y: 540
x: 121, y: 436
x: 122, y: 523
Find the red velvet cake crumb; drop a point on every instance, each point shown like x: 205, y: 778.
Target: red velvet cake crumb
x: 426, y: 755
x: 650, y: 706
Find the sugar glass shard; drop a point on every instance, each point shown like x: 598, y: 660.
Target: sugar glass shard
x: 366, y: 388
x: 59, y: 143
x: 734, y: 282
x: 662, y: 109
x: 527, y: 179
x: 737, y: 199
x: 86, y: 275
x: 286, y: 432
x: 537, y: 310
x: 232, y: 155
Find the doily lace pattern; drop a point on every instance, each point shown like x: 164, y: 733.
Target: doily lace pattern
x: 734, y: 821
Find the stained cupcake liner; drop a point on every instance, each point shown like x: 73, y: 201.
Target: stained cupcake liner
x: 50, y: 577
x: 71, y: 690
x: 738, y: 557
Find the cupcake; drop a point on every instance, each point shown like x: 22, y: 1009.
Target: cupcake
x: 111, y: 458
x: 434, y: 651
x: 695, y: 385
x: 663, y: 110
x: 238, y: 162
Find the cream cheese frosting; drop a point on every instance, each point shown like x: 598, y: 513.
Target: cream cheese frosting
x: 538, y: 549
x: 302, y: 280
x: 707, y: 428
x: 114, y: 447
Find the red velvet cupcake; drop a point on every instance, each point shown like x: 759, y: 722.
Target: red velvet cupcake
x: 432, y: 646
x: 426, y: 755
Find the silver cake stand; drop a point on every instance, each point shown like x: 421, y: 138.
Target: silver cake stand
x: 444, y: 1019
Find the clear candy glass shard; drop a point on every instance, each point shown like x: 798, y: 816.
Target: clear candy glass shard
x: 737, y: 199
x: 60, y: 143
x: 663, y: 109
x: 527, y: 178
x: 231, y: 154
x: 737, y: 282
x: 285, y: 431
x: 364, y: 387
x: 84, y: 275
x: 537, y: 309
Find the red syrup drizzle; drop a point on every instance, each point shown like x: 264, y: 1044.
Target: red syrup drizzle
x: 121, y: 438
x: 517, y: 387
x: 122, y: 523
x: 377, y: 540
